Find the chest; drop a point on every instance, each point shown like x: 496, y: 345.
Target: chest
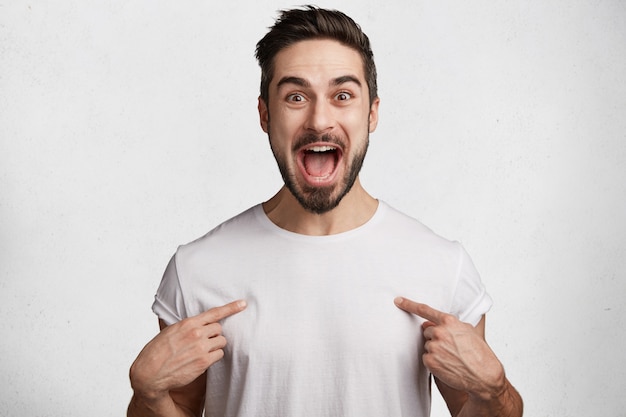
x: 307, y: 302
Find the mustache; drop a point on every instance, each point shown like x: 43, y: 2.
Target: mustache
x: 310, y: 138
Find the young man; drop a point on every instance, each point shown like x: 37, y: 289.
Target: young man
x: 316, y: 327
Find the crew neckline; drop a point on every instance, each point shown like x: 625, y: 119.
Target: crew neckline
x: 272, y: 227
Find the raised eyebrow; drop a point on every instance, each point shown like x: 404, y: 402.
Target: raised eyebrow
x: 345, y: 79
x: 301, y: 82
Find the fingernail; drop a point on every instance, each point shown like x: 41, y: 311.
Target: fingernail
x: 398, y: 300
x: 242, y: 303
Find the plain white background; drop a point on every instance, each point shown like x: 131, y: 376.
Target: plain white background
x: 129, y: 127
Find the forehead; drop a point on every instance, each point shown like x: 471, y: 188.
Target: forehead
x: 318, y: 60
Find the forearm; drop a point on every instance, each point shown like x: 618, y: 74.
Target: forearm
x: 507, y: 403
x: 164, y: 407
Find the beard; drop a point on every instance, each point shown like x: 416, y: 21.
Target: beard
x: 320, y: 200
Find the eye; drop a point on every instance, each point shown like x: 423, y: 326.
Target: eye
x: 295, y: 98
x: 343, y: 96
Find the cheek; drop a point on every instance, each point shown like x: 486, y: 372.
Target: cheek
x: 356, y: 124
x: 284, y: 124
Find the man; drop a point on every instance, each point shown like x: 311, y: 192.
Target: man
x: 291, y: 308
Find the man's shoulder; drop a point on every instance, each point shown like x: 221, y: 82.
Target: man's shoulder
x: 233, y: 229
x: 405, y: 226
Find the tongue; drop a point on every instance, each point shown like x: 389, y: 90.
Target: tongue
x: 319, y: 164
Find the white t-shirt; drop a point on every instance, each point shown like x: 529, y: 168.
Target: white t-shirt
x: 321, y: 335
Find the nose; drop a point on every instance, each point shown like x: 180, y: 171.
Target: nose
x: 320, y: 118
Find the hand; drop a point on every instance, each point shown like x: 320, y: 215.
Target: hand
x: 456, y: 352
x: 181, y: 352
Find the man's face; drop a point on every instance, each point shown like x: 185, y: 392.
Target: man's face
x: 318, y: 120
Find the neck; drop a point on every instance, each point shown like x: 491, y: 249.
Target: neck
x: 355, y: 209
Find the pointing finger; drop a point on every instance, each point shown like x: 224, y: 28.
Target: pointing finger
x: 421, y: 310
x: 218, y: 313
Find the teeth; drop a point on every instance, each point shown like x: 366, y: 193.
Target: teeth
x: 321, y: 148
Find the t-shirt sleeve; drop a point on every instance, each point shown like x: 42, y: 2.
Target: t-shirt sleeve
x: 168, y: 303
x: 471, y: 300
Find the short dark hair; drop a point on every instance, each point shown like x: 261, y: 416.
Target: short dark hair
x: 311, y: 22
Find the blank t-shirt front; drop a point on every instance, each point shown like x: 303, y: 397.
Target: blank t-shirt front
x: 321, y: 335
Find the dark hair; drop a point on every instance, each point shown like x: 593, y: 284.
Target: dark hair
x: 311, y: 22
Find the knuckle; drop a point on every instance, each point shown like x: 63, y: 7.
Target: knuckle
x: 219, y: 342
x: 435, y: 332
x: 427, y: 360
x: 214, y: 356
x: 203, y: 361
x: 431, y: 347
x: 196, y: 333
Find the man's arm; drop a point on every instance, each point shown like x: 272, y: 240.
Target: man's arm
x: 169, y: 375
x: 504, y: 401
x: 468, y: 374
x: 187, y: 401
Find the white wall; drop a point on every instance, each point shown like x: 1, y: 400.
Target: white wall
x: 127, y: 128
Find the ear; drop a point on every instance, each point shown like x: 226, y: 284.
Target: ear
x: 373, y: 117
x: 264, y: 115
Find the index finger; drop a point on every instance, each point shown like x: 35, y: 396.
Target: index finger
x: 422, y: 310
x: 218, y: 313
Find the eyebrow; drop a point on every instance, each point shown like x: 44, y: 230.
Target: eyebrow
x: 345, y: 79
x: 301, y: 82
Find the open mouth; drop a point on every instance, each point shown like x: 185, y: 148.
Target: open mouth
x: 319, y: 162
